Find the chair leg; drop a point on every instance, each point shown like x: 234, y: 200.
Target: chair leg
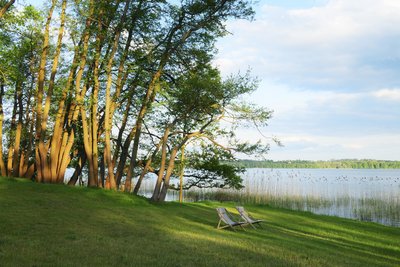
x: 219, y: 223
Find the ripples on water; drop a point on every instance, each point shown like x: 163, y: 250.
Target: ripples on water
x: 364, y: 194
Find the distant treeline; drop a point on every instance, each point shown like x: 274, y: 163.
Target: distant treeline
x: 345, y: 163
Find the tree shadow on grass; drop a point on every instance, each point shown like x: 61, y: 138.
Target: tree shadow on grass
x: 84, y: 227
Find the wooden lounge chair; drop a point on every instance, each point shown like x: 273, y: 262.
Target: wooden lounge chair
x: 245, y: 216
x: 225, y: 217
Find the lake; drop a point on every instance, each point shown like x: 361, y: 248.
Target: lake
x: 363, y: 194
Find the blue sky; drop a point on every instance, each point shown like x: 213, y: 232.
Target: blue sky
x: 330, y: 71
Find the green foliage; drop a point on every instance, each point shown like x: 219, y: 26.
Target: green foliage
x: 205, y: 169
x: 152, y: 58
x: 194, y: 105
x: 196, y: 97
x: 19, y: 39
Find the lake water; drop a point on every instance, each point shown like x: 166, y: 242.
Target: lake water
x: 326, y: 183
x: 363, y: 194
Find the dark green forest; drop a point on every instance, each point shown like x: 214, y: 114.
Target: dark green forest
x: 330, y: 164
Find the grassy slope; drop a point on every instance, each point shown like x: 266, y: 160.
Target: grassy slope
x: 55, y: 225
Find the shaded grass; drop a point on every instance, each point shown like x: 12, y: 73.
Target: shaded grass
x: 56, y: 225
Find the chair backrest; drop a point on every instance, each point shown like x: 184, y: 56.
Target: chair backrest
x: 244, y: 214
x: 223, y: 215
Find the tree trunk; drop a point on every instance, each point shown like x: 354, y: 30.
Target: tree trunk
x: 67, y: 114
x: 157, y: 187
x: 13, y: 130
x: 88, y: 146
x: 108, y: 111
x: 171, y: 163
x: 41, y: 156
x: 124, y: 155
x: 118, y: 174
x: 18, y: 132
x: 78, y: 169
x: 4, y: 9
x: 102, y: 173
x: 53, y: 159
x: 146, y: 168
x: 151, y: 90
x: 27, y: 169
x: 90, y: 129
x: 2, y: 166
x: 170, y: 168
x: 48, y: 168
x: 181, y: 174
x: 154, y: 86
x: 121, y: 79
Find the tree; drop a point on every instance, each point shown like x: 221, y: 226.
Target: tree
x: 115, y: 84
x: 5, y: 5
x: 193, y: 107
x: 49, y: 168
x: 210, y: 168
x: 19, y: 51
x: 194, y: 23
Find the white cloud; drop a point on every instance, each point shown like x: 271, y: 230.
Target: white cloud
x: 344, y: 43
x: 310, y: 146
x: 286, y: 101
x: 314, y: 147
x: 388, y: 94
x: 330, y: 73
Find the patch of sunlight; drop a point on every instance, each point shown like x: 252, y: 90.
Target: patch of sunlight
x: 340, y: 241
x: 240, y: 243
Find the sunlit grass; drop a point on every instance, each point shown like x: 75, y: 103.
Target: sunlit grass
x: 385, y: 211
x: 56, y: 225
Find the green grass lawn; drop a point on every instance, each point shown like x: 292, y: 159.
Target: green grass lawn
x: 56, y: 225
